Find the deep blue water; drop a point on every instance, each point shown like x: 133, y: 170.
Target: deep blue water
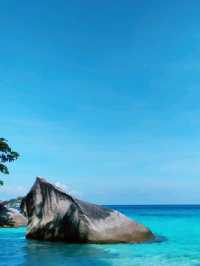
x: 180, y: 225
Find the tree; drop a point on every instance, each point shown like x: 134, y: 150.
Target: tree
x: 6, y: 155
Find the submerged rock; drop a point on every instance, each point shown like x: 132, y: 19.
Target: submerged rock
x: 55, y: 215
x: 10, y: 217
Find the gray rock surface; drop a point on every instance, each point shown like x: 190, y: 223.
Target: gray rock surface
x: 10, y: 217
x: 13, y: 203
x: 55, y: 215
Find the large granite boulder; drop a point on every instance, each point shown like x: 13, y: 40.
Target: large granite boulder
x: 55, y: 215
x: 10, y: 217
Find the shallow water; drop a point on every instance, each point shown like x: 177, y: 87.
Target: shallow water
x: 179, y: 224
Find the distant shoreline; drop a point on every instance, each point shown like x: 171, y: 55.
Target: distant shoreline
x: 153, y: 205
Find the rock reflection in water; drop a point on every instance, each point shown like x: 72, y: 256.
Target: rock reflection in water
x: 56, y: 253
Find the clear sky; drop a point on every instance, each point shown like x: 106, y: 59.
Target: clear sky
x: 103, y: 97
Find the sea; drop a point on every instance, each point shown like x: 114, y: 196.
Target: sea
x: 177, y: 228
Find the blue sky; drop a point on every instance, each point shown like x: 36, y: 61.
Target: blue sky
x: 103, y: 97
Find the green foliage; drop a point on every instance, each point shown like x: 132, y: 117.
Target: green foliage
x: 6, y: 155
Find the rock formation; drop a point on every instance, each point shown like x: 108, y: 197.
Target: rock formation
x: 55, y: 215
x: 10, y: 217
x: 12, y: 203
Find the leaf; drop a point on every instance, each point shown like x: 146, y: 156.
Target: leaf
x: 6, y: 155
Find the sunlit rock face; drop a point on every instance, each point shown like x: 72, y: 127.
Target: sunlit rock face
x: 10, y: 217
x: 55, y: 215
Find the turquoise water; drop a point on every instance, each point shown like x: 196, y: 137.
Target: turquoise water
x: 180, y: 225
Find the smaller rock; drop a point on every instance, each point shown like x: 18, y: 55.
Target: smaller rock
x: 10, y: 217
x: 13, y: 203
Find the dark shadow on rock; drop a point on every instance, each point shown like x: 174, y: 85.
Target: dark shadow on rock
x: 5, y: 219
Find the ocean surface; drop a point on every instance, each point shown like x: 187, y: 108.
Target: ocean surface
x: 178, y: 227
